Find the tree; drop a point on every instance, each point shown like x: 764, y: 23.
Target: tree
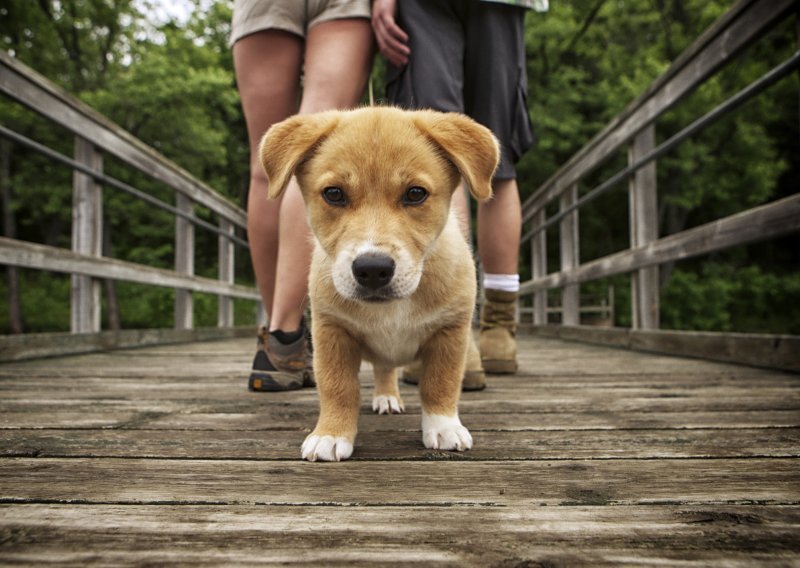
x: 588, y: 59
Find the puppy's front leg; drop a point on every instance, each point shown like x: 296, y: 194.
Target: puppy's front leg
x: 443, y: 360
x: 386, y: 396
x: 337, y: 358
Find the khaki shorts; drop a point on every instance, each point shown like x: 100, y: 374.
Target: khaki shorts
x: 295, y: 16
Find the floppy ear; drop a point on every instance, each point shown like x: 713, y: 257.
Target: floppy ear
x: 288, y: 143
x: 471, y: 147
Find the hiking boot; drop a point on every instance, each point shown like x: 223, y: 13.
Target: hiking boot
x: 474, y: 378
x: 279, y: 366
x: 498, y: 343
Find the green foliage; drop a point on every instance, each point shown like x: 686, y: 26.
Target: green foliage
x: 45, y: 300
x: 720, y: 297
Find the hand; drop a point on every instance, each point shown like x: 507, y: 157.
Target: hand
x: 392, y: 40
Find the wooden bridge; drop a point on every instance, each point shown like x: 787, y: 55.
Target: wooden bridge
x: 590, y: 456
x: 610, y: 447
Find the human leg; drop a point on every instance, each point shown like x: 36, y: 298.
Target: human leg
x: 337, y: 61
x: 495, y: 95
x: 499, y: 225
x: 267, y: 67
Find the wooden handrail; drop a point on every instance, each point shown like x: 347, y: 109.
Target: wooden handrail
x: 38, y: 93
x: 96, y: 135
x: 725, y: 39
x: 635, y: 128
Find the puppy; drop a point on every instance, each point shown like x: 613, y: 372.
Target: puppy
x: 392, y: 277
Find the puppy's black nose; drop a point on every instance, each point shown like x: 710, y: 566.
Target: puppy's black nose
x: 373, y: 270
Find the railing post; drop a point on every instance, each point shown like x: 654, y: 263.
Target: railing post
x: 644, y: 229
x: 570, y: 258
x: 539, y: 268
x: 87, y: 238
x: 184, y: 261
x: 226, y: 273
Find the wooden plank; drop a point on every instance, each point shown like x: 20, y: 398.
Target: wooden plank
x: 505, y: 483
x: 158, y: 415
x: 37, y: 345
x: 457, y: 536
x: 545, y: 361
x: 764, y: 350
x: 42, y: 257
x: 38, y: 93
x: 406, y: 445
x: 643, y: 215
x: 570, y: 258
x: 87, y: 238
x: 531, y: 401
x: 719, y: 45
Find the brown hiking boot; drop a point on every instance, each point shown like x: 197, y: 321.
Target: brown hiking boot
x: 474, y: 378
x: 498, y: 342
x: 280, y: 367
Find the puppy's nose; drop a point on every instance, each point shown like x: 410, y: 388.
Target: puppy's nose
x: 373, y: 270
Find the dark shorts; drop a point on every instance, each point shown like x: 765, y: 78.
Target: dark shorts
x: 467, y: 56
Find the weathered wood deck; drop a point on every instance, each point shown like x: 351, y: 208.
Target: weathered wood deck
x: 590, y: 456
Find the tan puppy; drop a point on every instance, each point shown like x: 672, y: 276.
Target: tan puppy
x: 392, y: 277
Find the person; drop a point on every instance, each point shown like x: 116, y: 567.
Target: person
x: 291, y: 56
x: 468, y: 56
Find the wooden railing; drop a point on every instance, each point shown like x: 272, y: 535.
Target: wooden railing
x: 635, y: 127
x: 95, y: 136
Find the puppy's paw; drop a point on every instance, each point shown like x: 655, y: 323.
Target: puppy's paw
x: 387, y: 404
x: 444, y: 433
x: 327, y: 448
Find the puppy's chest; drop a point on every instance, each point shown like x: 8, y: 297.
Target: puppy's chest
x: 393, y: 341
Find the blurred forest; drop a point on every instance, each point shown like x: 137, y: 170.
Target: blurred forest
x: 171, y: 83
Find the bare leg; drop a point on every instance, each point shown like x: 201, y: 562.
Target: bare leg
x: 268, y: 75
x: 499, y: 226
x: 337, y: 62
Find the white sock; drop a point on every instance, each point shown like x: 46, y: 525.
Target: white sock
x: 502, y: 282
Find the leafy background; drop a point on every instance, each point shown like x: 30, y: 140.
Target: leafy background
x: 171, y: 83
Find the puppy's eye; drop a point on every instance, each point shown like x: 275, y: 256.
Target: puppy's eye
x: 415, y: 196
x: 334, y: 196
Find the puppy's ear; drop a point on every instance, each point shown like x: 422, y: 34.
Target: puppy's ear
x: 471, y: 147
x: 288, y: 143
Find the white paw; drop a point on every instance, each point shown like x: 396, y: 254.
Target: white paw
x: 387, y: 405
x: 327, y: 448
x: 444, y: 433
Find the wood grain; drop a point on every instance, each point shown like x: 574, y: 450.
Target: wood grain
x: 588, y: 456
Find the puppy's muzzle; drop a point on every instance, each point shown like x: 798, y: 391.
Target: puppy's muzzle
x: 373, y: 271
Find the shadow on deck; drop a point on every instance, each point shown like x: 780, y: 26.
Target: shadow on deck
x: 590, y: 455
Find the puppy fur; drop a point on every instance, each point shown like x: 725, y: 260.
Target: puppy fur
x: 356, y: 170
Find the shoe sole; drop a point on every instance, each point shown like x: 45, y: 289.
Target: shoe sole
x: 273, y: 382
x: 499, y: 366
x: 474, y: 382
